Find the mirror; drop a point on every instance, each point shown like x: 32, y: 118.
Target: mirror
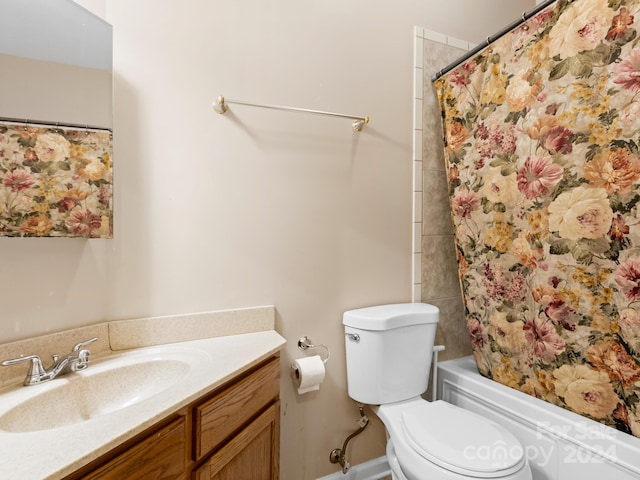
x: 56, y: 63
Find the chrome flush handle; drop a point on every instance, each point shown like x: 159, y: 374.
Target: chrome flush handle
x: 354, y: 337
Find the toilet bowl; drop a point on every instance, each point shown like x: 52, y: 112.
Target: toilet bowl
x: 388, y: 352
x: 437, y: 440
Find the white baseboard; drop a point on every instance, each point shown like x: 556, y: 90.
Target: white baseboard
x: 372, y: 470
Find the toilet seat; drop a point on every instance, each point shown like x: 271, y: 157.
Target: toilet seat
x: 461, y: 441
x: 441, y: 435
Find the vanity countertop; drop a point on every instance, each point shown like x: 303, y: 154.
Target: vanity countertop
x: 56, y: 452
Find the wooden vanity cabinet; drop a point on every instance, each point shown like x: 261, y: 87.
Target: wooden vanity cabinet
x: 249, y: 455
x: 232, y: 433
x: 160, y: 455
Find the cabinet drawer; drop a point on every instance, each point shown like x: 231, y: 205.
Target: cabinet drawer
x: 221, y: 416
x: 160, y: 456
x: 252, y: 454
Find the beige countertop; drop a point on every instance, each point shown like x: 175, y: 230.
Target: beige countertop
x: 53, y: 453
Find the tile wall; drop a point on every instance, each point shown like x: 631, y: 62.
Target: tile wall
x: 435, y: 278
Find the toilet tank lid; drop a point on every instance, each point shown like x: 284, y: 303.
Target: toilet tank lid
x: 386, y: 317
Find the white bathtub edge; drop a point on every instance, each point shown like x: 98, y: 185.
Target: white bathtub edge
x: 597, y: 443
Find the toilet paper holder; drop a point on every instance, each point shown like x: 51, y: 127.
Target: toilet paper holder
x: 305, y: 343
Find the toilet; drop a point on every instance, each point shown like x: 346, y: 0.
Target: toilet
x: 388, y: 351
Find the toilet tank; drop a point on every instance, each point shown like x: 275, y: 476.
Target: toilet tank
x: 389, y: 350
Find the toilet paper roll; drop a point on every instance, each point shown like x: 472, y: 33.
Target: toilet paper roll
x: 308, y: 373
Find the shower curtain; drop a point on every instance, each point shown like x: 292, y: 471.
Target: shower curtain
x: 542, y: 149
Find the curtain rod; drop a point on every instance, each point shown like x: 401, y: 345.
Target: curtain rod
x: 27, y: 121
x: 525, y: 16
x: 220, y: 106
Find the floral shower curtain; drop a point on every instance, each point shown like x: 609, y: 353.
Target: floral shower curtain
x: 542, y: 148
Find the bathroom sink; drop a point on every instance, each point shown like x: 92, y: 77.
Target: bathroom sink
x: 107, y: 386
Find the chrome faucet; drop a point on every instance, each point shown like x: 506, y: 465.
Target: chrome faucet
x: 78, y: 359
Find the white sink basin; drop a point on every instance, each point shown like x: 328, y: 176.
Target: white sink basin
x: 109, y: 385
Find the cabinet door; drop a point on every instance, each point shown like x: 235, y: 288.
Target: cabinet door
x: 252, y: 454
x: 218, y: 418
x: 160, y: 456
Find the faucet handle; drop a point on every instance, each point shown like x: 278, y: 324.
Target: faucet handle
x: 80, y: 345
x: 36, y: 368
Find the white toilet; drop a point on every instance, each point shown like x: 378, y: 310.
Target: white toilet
x: 389, y: 350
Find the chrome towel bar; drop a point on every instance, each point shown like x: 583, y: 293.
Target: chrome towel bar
x: 220, y: 106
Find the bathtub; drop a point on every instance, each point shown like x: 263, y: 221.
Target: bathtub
x: 559, y: 444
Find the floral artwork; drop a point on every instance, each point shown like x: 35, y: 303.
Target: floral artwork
x: 542, y: 147
x: 55, y: 182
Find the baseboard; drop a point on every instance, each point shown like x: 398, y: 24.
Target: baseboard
x: 375, y: 469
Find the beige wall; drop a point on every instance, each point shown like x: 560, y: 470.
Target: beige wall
x: 257, y: 206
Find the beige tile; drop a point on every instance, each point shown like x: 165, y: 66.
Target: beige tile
x: 439, y: 267
x: 432, y: 143
x: 436, y: 211
x: 452, y: 329
x: 438, y: 55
